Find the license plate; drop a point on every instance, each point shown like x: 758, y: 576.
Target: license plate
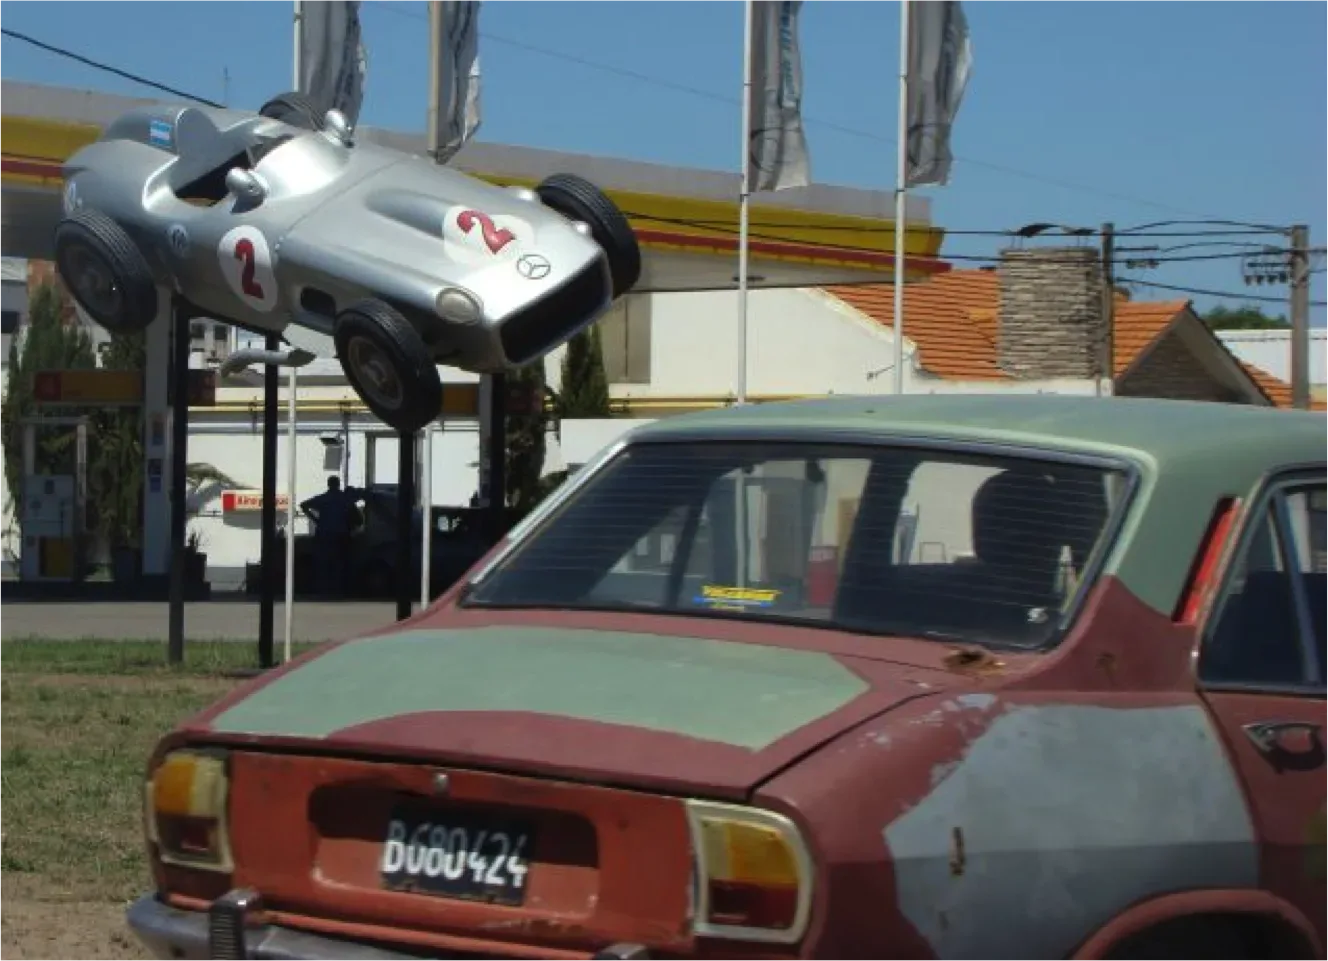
x: 463, y: 856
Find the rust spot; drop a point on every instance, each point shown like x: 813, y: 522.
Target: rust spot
x: 957, y: 859
x: 1106, y: 663
x: 973, y: 660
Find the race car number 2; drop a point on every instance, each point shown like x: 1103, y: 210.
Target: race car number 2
x: 246, y: 263
x: 475, y: 237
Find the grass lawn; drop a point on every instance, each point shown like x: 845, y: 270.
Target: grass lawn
x: 79, y: 720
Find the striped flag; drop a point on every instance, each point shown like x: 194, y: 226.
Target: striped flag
x: 777, y: 148
x: 333, y: 62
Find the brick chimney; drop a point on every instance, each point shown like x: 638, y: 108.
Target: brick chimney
x: 1051, y: 322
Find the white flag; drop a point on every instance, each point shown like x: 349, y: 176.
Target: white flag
x: 332, y: 58
x: 940, y: 57
x: 777, y: 148
x: 458, y: 76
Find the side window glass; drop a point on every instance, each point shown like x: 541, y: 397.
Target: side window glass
x: 1256, y: 637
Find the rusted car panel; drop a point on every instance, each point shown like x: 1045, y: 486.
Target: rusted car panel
x: 784, y: 770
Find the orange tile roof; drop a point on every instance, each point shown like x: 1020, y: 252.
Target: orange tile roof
x: 1138, y: 324
x: 937, y: 317
x: 1276, y: 390
x: 952, y: 319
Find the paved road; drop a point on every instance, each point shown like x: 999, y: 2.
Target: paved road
x: 210, y: 620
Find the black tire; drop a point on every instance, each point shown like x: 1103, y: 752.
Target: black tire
x: 388, y: 364
x: 105, y: 272
x: 295, y: 109
x: 1192, y: 938
x: 578, y: 199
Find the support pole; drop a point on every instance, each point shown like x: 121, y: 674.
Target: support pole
x: 179, y: 458
x: 292, y: 459
x: 267, y: 559
x: 496, y: 453
x: 426, y: 514
x: 405, y: 506
x: 744, y: 199
x: 901, y: 176
x: 1106, y: 363
x: 1300, y: 317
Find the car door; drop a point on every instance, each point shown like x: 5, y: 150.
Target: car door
x: 1261, y: 671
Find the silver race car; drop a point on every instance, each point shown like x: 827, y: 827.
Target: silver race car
x: 280, y: 217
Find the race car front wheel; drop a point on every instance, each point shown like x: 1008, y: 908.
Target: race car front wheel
x: 579, y: 199
x: 388, y: 364
x: 295, y: 109
x: 105, y: 272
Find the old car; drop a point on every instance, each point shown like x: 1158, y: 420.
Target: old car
x: 283, y: 217
x: 709, y: 701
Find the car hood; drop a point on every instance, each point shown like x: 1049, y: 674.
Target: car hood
x: 417, y: 225
x: 695, y: 715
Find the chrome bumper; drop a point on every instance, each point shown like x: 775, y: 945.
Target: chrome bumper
x: 223, y: 933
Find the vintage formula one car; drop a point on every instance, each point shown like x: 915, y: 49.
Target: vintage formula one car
x: 281, y: 217
x: 908, y: 677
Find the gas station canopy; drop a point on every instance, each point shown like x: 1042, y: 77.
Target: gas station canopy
x: 686, y: 220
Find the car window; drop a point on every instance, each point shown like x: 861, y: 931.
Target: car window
x: 935, y: 543
x: 1268, y: 627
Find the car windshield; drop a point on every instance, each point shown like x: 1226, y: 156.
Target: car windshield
x: 945, y: 544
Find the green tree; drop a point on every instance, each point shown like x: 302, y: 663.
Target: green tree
x: 585, y: 386
x: 1243, y: 318
x: 48, y: 341
x: 526, y: 441
x: 115, y: 455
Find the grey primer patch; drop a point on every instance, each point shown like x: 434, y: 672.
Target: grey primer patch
x: 745, y: 695
x: 1069, y: 815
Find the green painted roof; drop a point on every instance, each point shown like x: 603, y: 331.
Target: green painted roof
x: 1188, y: 454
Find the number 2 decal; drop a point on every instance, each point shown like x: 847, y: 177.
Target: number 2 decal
x: 246, y: 263
x: 495, y: 237
x: 244, y: 252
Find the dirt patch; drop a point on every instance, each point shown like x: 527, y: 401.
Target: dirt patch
x: 38, y: 924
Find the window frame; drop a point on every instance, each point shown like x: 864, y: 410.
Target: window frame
x: 547, y: 512
x: 1269, y: 502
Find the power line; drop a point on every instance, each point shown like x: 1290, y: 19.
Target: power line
x: 1214, y: 293
x: 98, y: 65
x: 828, y: 124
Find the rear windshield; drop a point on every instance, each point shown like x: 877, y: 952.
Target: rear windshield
x: 890, y: 540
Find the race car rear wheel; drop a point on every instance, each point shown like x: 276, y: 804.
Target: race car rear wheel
x: 105, y: 272
x: 578, y: 199
x: 295, y: 109
x: 389, y: 366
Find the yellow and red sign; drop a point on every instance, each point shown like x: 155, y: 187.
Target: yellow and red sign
x: 247, y: 501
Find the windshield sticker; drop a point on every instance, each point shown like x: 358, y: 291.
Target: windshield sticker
x: 160, y: 133
x: 720, y: 598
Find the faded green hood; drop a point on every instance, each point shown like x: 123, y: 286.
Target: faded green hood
x: 744, y: 695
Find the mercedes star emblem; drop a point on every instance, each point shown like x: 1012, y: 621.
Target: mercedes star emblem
x: 533, y: 267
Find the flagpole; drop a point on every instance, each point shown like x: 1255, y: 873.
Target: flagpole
x: 901, y: 174
x: 292, y: 394
x: 743, y: 198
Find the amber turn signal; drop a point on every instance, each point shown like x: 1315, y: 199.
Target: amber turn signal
x: 185, y: 810
x: 754, y: 873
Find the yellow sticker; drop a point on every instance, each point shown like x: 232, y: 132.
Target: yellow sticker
x: 736, y: 598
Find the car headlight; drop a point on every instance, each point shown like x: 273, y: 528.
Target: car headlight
x: 185, y: 810
x: 457, y: 305
x: 754, y: 874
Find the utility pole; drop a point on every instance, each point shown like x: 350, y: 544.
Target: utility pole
x: 1300, y: 317
x: 1106, y: 359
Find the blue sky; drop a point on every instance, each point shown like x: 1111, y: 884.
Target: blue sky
x: 1076, y: 113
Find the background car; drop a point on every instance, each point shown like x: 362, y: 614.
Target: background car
x: 282, y: 217
x: 715, y: 698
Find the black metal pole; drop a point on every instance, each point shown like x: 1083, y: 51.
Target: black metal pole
x: 269, y: 563
x: 179, y: 374
x: 497, y: 456
x: 405, y: 583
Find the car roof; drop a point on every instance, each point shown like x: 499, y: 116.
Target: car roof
x: 1165, y: 432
